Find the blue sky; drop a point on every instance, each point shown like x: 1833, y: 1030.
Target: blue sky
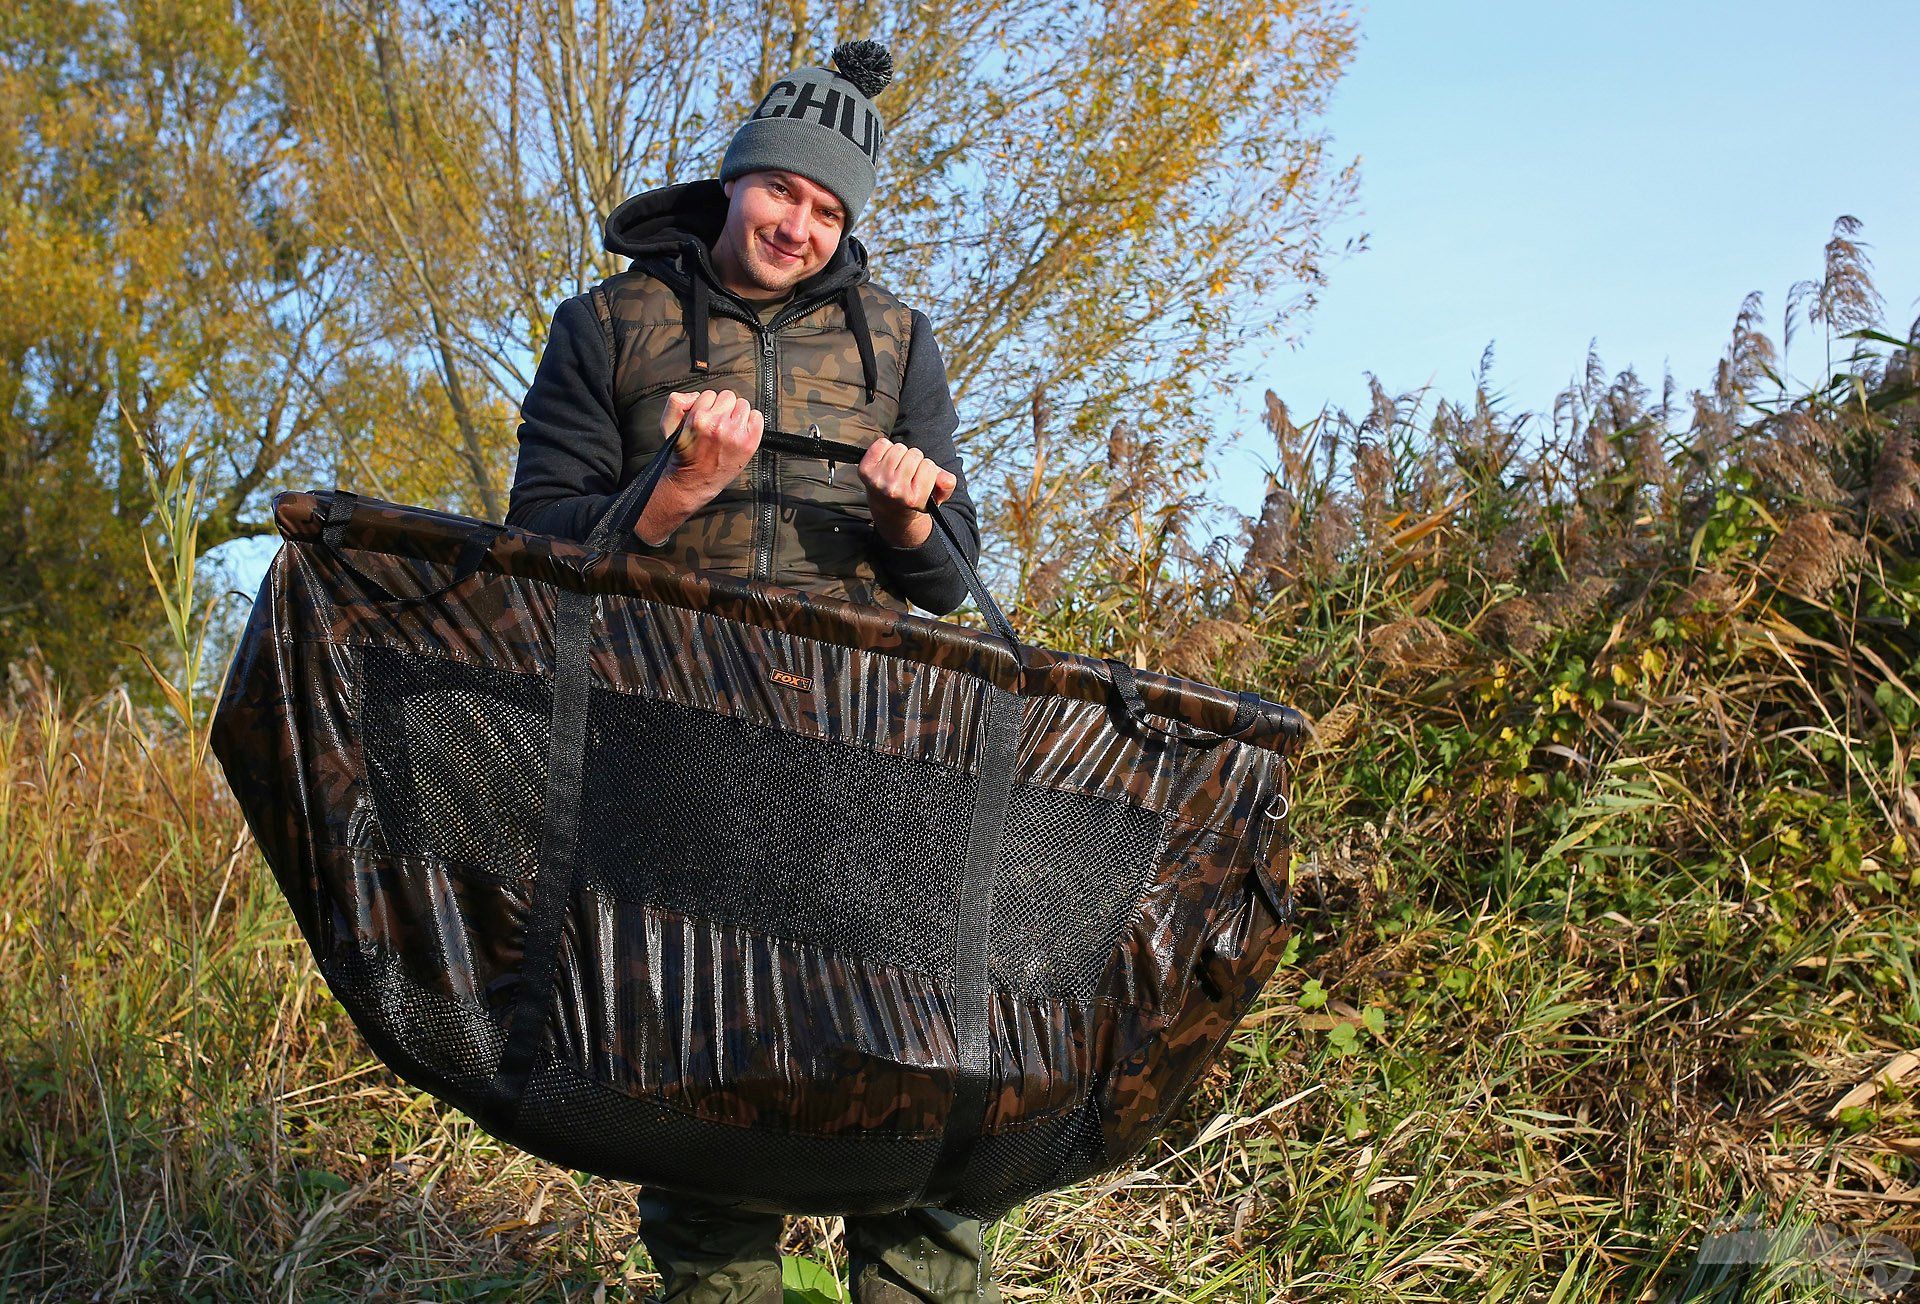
x: 1539, y: 175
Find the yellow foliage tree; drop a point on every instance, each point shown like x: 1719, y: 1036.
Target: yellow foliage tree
x: 158, y: 293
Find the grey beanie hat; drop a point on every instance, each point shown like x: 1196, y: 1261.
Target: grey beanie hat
x: 820, y: 123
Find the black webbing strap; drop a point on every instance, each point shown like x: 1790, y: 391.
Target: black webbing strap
x: 1126, y: 690
x: 623, y: 513
x: 976, y: 587
x: 341, y: 506
x: 566, y: 767
x: 973, y: 913
x: 812, y: 444
x: 559, y: 848
x: 566, y: 755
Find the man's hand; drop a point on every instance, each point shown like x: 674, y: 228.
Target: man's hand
x: 723, y: 432
x: 901, y: 482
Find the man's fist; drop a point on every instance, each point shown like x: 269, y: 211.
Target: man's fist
x: 723, y: 433
x: 901, y: 483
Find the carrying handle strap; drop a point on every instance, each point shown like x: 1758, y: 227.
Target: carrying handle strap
x: 620, y: 517
x: 976, y: 587
x: 1126, y: 692
x: 341, y: 506
x: 623, y: 513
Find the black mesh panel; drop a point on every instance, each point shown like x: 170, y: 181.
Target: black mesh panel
x: 1071, y: 871
x: 456, y: 759
x: 813, y: 841
x: 456, y: 1045
x: 1009, y: 1167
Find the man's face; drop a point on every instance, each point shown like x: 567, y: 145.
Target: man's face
x: 781, y: 228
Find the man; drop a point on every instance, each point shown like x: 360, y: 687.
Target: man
x: 748, y: 305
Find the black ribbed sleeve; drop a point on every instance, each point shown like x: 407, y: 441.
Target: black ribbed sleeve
x: 927, y: 421
x: 570, y: 451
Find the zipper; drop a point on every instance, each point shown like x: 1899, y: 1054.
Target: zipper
x: 766, y: 478
x: 765, y: 493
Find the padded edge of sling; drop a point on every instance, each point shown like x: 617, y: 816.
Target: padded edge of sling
x: 436, y: 536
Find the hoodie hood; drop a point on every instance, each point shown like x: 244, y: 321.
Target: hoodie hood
x: 669, y: 233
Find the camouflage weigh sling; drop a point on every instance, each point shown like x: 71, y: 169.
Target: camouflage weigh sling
x: 700, y: 882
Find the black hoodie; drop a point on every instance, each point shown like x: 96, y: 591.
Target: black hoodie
x: 570, y: 444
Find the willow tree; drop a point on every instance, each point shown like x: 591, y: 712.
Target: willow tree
x: 1096, y: 201
x: 158, y: 291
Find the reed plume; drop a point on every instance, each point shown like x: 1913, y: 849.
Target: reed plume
x: 1846, y: 299
x: 1812, y: 555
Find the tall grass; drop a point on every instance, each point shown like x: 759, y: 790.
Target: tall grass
x: 1608, y: 845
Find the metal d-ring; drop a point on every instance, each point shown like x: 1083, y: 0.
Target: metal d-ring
x: 819, y: 447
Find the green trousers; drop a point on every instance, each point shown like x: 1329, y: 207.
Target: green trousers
x: 708, y: 1252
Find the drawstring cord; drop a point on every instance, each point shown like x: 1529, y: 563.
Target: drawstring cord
x: 698, y: 314
x: 862, y: 338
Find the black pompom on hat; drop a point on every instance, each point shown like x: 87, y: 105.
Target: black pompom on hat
x: 867, y: 64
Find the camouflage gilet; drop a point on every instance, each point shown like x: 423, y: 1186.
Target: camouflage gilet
x: 835, y: 358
